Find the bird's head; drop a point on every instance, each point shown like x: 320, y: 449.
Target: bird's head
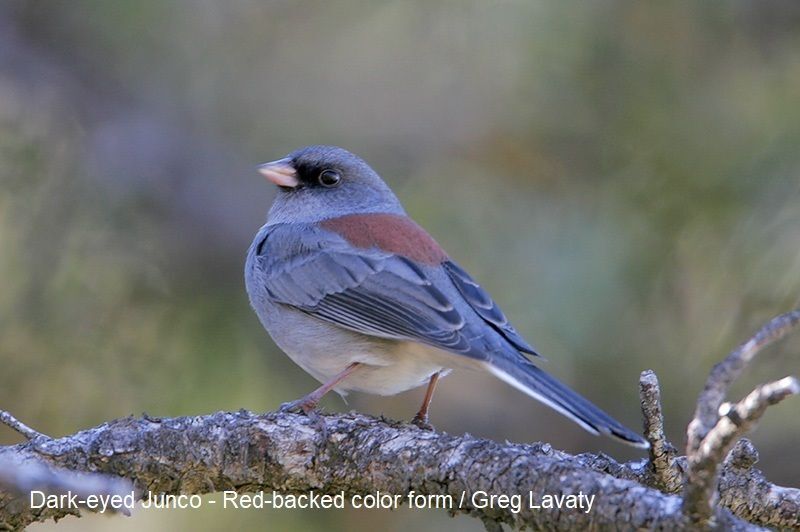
x: 322, y: 182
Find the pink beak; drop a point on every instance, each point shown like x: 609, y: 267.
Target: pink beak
x: 280, y: 172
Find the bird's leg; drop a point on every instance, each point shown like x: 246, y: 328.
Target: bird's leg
x: 421, y: 419
x: 308, y: 403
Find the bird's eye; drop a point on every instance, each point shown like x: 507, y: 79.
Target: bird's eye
x: 329, y: 178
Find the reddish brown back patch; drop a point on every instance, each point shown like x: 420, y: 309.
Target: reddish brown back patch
x: 389, y: 232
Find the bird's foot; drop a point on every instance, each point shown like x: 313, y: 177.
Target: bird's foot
x: 308, y: 407
x: 304, y: 405
x: 422, y: 422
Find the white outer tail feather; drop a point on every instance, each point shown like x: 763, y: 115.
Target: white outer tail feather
x: 505, y: 377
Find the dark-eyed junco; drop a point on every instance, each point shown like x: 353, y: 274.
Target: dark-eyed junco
x: 363, y: 299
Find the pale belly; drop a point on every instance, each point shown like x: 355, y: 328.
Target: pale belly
x: 324, y: 350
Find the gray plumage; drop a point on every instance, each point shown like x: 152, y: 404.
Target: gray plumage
x: 401, y: 313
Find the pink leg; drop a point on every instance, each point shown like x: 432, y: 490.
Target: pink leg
x: 421, y: 419
x: 309, y: 402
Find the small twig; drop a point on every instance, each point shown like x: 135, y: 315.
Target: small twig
x: 666, y: 475
x: 735, y: 420
x: 743, y: 489
x: 14, y: 423
x: 743, y: 455
x: 727, y: 371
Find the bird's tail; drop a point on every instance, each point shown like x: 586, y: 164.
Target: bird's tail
x: 529, y: 379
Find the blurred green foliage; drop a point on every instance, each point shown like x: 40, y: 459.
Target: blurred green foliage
x: 623, y: 176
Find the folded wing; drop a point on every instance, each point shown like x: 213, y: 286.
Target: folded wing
x: 365, y: 290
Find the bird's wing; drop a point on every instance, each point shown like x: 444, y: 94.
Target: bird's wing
x: 480, y: 300
x: 370, y: 291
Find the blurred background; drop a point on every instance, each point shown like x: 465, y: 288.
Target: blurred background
x: 623, y: 177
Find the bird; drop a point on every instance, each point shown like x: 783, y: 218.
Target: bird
x: 365, y: 300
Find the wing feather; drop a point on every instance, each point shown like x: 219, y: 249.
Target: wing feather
x: 480, y: 300
x: 366, y: 290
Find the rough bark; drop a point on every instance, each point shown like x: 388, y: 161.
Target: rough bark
x: 284, y: 452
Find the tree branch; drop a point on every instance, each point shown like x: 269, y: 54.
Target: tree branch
x: 283, y: 452
x: 664, y: 466
x: 21, y: 477
x: 10, y: 421
x: 734, y: 422
x: 727, y: 371
x: 716, y: 427
x: 749, y: 495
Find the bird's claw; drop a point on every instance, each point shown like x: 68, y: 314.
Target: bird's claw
x: 422, y: 422
x: 300, y: 406
x: 307, y: 408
